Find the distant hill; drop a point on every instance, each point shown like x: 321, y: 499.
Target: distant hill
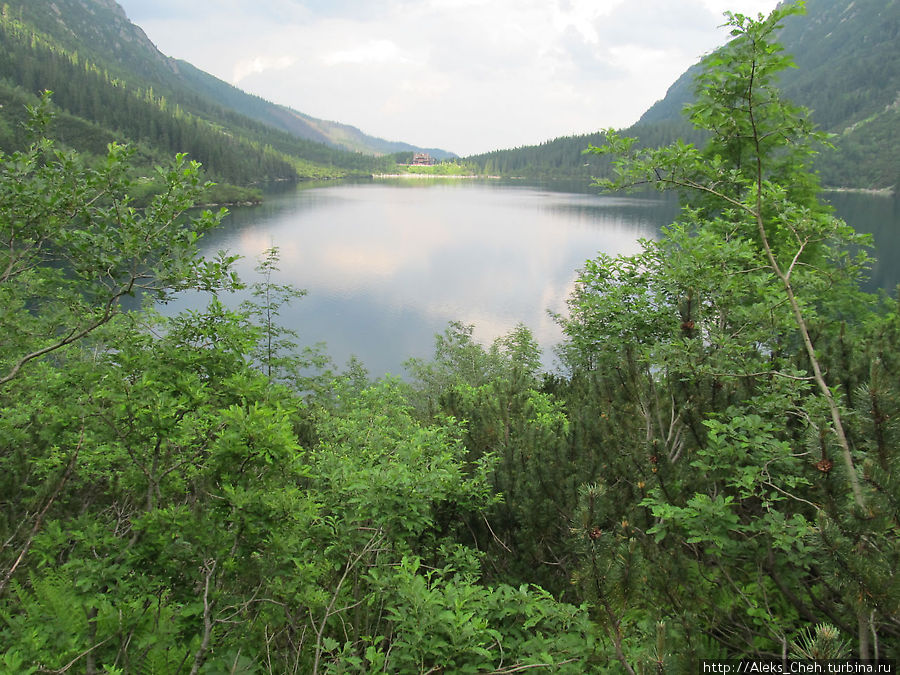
x: 110, y: 82
x: 342, y: 136
x: 848, y: 75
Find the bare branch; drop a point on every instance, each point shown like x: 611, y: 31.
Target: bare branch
x: 373, y: 543
x: 209, y: 567
x: 79, y: 657
x: 528, y: 666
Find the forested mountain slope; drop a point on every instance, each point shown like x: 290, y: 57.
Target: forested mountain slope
x: 335, y: 134
x: 847, y: 74
x: 111, y: 82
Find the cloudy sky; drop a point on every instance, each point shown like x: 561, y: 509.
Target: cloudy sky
x: 464, y: 75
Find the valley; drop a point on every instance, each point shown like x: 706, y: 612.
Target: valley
x: 629, y: 405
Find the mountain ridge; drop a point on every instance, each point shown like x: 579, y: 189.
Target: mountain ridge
x: 105, y: 71
x: 847, y: 74
x: 297, y: 122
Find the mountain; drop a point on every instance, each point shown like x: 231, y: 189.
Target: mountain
x: 342, y: 136
x: 110, y: 82
x: 848, y: 75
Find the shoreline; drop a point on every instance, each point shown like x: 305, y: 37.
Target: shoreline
x: 430, y: 175
x: 883, y: 192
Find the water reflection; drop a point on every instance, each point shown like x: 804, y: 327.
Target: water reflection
x: 878, y: 215
x: 388, y: 264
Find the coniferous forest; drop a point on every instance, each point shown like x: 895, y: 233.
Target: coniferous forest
x: 712, y: 474
x: 100, y: 100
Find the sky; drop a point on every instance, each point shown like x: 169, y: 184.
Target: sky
x: 468, y: 76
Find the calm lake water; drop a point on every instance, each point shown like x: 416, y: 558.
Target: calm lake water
x: 388, y: 264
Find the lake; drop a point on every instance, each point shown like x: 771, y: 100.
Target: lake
x: 387, y: 264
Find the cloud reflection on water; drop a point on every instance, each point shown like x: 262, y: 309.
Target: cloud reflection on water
x: 388, y: 265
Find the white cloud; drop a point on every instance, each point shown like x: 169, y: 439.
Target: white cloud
x: 260, y: 64
x: 748, y: 7
x: 466, y: 75
x: 370, y: 52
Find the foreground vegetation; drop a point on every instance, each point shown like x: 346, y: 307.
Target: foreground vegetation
x: 713, y: 474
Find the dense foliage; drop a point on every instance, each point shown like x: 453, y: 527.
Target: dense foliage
x: 169, y: 503
x: 758, y: 368
x: 712, y: 474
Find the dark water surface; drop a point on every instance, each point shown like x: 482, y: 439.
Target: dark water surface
x: 388, y: 264
x: 878, y: 215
